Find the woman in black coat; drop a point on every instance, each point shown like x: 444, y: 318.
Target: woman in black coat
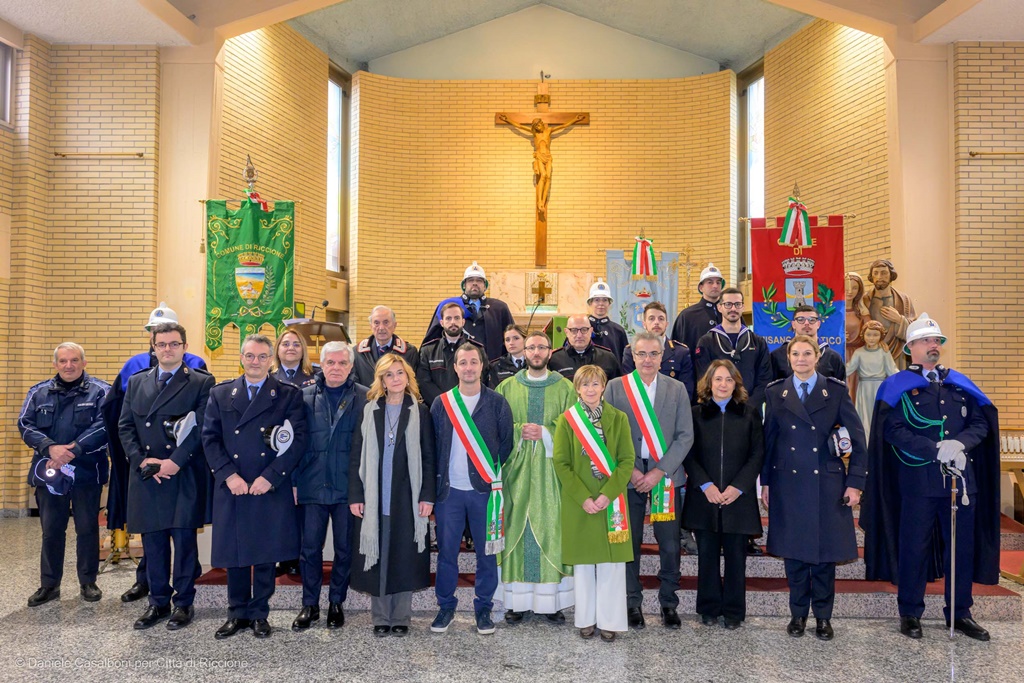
x: 391, y: 495
x: 721, y: 504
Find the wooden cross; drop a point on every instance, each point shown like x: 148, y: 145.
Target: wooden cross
x: 542, y: 124
x: 541, y: 289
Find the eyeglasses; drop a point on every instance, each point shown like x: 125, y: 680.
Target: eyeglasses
x: 644, y: 355
x: 531, y: 349
x: 173, y: 346
x: 250, y: 357
x: 291, y: 345
x: 803, y: 320
x: 578, y: 330
x: 731, y: 304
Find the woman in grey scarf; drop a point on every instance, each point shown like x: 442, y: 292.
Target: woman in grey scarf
x: 391, y: 494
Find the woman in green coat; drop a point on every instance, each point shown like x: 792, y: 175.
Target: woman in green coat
x: 593, y: 460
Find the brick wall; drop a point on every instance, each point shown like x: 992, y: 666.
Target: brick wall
x: 275, y: 109
x: 988, y: 107
x: 440, y: 185
x: 825, y: 128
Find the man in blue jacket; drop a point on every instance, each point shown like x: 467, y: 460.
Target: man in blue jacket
x: 60, y: 420
x: 334, y: 407
x: 473, y: 425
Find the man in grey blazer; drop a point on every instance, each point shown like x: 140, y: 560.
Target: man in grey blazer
x: 661, y: 444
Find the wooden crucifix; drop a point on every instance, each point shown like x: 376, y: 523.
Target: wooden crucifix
x: 542, y: 124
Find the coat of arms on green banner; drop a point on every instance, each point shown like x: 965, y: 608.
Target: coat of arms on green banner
x: 249, y: 267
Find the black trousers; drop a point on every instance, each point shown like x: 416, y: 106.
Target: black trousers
x: 717, y: 595
x: 811, y: 587
x: 667, y: 535
x: 156, y: 545
x: 83, y: 501
x: 314, y: 534
x: 250, y: 590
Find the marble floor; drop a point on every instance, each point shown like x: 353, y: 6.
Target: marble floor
x: 78, y: 641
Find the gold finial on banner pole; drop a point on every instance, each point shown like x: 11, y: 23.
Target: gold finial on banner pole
x: 250, y: 175
x: 796, y: 191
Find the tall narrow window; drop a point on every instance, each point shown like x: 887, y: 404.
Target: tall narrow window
x: 337, y: 172
x: 6, y: 85
x: 751, y: 157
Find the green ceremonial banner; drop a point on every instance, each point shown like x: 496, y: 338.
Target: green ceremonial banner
x: 249, y: 267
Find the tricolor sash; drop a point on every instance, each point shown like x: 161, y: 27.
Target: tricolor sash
x: 663, y: 498
x: 486, y: 466
x: 597, y: 451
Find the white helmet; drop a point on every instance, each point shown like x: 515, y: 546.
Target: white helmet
x: 161, y: 314
x: 474, y: 270
x: 600, y: 289
x: 920, y: 329
x: 710, y: 271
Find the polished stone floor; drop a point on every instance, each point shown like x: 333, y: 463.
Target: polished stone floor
x: 77, y: 641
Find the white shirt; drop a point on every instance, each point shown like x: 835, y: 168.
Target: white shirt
x: 645, y: 452
x: 458, y: 459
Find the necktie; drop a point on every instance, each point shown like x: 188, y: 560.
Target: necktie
x: 519, y: 364
x: 932, y: 376
x: 290, y: 374
x: 803, y: 392
x: 381, y: 350
x: 253, y: 390
x: 162, y: 381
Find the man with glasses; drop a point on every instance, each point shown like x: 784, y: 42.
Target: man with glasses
x: 675, y: 356
x: 693, y: 322
x: 580, y: 350
x: 734, y: 341
x: 167, y: 477
x: 252, y: 454
x: 661, y: 424
x: 533, y: 575
x: 806, y: 321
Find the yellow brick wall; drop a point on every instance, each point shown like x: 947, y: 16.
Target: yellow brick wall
x: 988, y: 107
x: 83, y: 245
x: 825, y: 128
x: 440, y: 185
x: 275, y: 109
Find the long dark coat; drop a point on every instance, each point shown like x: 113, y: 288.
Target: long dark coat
x: 178, y: 502
x: 807, y: 519
x: 408, y: 570
x: 728, y: 450
x: 248, y: 529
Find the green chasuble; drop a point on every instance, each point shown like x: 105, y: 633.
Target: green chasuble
x: 533, y: 519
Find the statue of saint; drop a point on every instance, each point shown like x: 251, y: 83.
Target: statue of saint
x: 890, y: 307
x: 542, y: 133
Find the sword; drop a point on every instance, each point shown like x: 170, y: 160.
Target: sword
x: 953, y: 473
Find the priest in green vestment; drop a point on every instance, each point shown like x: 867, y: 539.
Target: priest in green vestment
x: 533, y: 577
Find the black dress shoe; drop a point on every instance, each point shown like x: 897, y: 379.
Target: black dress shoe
x: 635, y: 617
x: 911, y: 627
x: 381, y: 631
x: 753, y: 548
x: 732, y: 624
x: 307, y: 615
x: 823, y: 630
x: 44, y: 595
x: 261, y: 628
x: 136, y: 592
x: 708, y: 620
x: 230, y: 628
x: 556, y: 617
x: 513, y: 618
x: 335, y: 615
x: 972, y: 629
x: 152, y: 616
x: 91, y: 592
x: 796, y: 626
x: 669, y: 618
x: 180, y: 618
x: 400, y: 631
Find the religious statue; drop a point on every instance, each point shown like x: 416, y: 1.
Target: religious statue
x: 857, y: 313
x: 890, y: 307
x: 871, y: 363
x: 542, y: 133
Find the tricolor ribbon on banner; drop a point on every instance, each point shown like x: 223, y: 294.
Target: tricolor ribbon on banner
x: 796, y: 229
x: 486, y: 466
x: 663, y: 499
x: 645, y: 265
x: 597, y: 451
x: 255, y: 198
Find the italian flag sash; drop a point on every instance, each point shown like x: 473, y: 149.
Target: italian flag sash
x: 487, y: 467
x: 663, y: 499
x: 796, y: 229
x: 597, y: 451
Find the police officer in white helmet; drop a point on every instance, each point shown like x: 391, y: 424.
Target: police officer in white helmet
x: 486, y: 317
x: 695, y: 321
x: 607, y: 333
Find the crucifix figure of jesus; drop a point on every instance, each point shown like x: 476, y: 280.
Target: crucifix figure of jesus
x: 542, y: 133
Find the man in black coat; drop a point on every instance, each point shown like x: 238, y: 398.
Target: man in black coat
x: 806, y: 321
x: 695, y: 321
x: 675, y: 357
x: 254, y: 514
x: 382, y: 340
x: 580, y: 350
x: 168, y: 505
x: 485, y: 317
x: 607, y: 333
x: 436, y: 370
x: 734, y: 341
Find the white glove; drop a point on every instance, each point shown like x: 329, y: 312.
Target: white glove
x: 951, y: 452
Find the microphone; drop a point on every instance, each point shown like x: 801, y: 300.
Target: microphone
x: 322, y: 306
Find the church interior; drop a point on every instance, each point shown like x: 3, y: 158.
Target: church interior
x: 119, y: 119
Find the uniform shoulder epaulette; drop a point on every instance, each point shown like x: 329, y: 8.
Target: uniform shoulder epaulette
x: 364, y: 346
x: 226, y: 381
x: 399, y: 344
x: 201, y: 371
x: 776, y: 381
x: 836, y: 380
